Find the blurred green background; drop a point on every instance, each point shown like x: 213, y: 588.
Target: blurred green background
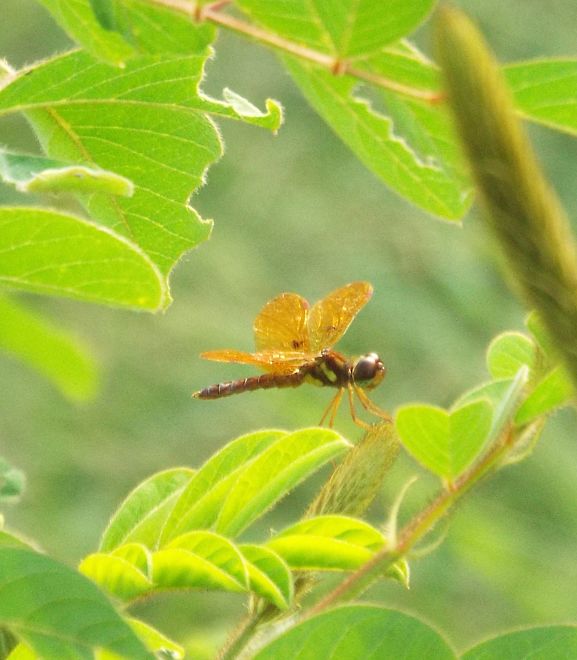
x: 297, y: 212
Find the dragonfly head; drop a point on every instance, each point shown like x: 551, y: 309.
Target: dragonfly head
x: 368, y: 370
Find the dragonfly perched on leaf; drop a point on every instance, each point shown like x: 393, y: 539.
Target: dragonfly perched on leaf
x: 294, y: 345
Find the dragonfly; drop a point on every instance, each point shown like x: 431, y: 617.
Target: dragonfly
x: 294, y: 345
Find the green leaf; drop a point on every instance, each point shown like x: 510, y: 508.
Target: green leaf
x: 540, y: 335
x: 445, y: 442
x: 146, y: 122
x: 508, y: 352
x: 58, y: 612
x: 104, y: 13
x: 77, y: 18
x: 142, y: 514
x: 272, y: 474
x: 12, y: 480
x: 30, y: 174
x: 542, y: 643
x: 544, y: 92
x: 493, y: 391
x: 327, y: 543
x: 55, y: 354
x: 268, y: 574
x: 345, y: 30
x: 554, y: 391
x: 200, y: 502
x: 11, y: 540
x: 55, y: 253
x: 421, y: 165
x: 116, y: 575
x: 155, y: 641
x: 357, y: 632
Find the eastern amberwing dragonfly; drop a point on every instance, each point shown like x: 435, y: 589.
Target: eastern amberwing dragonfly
x: 294, y: 345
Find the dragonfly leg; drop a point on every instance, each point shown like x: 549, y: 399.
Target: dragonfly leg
x: 370, y: 406
x: 357, y: 420
x: 332, y: 408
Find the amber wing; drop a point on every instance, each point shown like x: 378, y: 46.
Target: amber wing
x: 330, y: 317
x: 282, y: 362
x: 281, y: 325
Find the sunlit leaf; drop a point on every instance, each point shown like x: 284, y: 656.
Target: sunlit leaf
x: 57, y: 611
x: 544, y: 91
x: 199, y: 504
x: 142, y: 514
x: 359, y: 631
x: 56, y: 355
x: 554, y: 391
x: 542, y: 643
x: 409, y: 145
x: 327, y: 543
x: 274, y: 473
x: 155, y: 641
x: 55, y: 253
x: 345, y: 29
x: 508, y: 352
x: 269, y: 575
x: 445, y: 442
x: 116, y: 575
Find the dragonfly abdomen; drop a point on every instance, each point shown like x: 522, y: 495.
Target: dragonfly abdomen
x: 262, y: 382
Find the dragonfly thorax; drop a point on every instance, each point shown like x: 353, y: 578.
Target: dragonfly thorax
x: 368, y: 370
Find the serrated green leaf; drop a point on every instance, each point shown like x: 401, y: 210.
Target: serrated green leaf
x: 346, y: 29
x: 115, y: 575
x: 59, y: 254
x: 508, y: 352
x: 539, y: 643
x: 359, y: 631
x: 272, y: 474
x: 12, y: 480
x: 445, y: 442
x: 268, y: 574
x: 142, y: 514
x: 327, y: 543
x: 200, y: 502
x: 55, y: 354
x: 544, y: 92
x: 421, y: 166
x: 30, y: 173
x: 77, y: 18
x: 59, y: 612
x: 146, y: 122
x: 554, y: 391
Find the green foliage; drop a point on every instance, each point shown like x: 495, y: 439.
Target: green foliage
x: 544, y: 643
x: 359, y: 631
x: 12, y: 482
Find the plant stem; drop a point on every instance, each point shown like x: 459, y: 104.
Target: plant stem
x: 239, y: 637
x: 417, y: 528
x: 212, y: 14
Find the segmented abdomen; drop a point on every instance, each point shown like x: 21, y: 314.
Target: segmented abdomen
x: 262, y: 382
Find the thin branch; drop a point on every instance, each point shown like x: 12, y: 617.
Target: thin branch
x: 212, y: 14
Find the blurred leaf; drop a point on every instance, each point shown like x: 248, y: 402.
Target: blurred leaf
x: 12, y: 480
x: 327, y: 543
x: 347, y: 29
x: 272, y: 474
x: 543, y: 643
x: 537, y: 329
x: 115, y: 575
x: 554, y: 391
x: 146, y: 122
x: 445, y: 442
x: 142, y: 514
x: 55, y: 354
x: 104, y: 13
x: 268, y: 574
x: 493, y: 391
x: 55, y: 253
x: 199, y: 504
x: 419, y: 166
x: 11, y: 540
x: 77, y: 18
x: 508, y: 352
x: 155, y: 641
x: 544, y: 92
x: 59, y: 612
x: 29, y: 173
x: 357, y: 632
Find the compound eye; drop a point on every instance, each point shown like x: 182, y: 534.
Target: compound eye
x: 367, y: 367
